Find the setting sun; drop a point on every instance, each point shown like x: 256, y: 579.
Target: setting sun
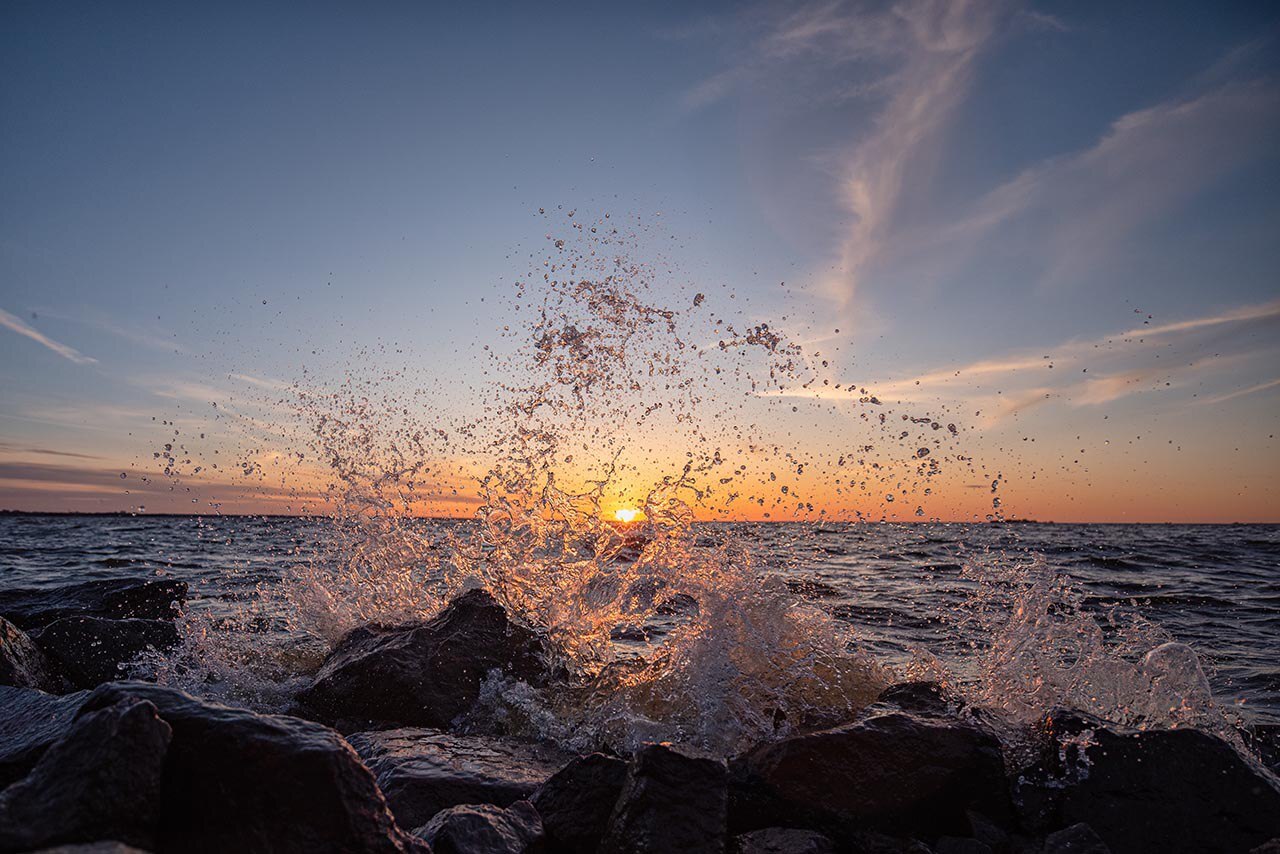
x: 626, y: 515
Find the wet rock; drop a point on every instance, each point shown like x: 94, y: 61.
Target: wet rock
x: 30, y: 721
x: 423, y: 771
x: 669, y: 802
x: 484, y: 829
x: 784, y: 840
x: 91, y: 650
x: 117, y: 599
x: 924, y: 697
x: 889, y: 771
x: 101, y: 780
x: 107, y: 847
x: 960, y: 845
x: 575, y: 804
x: 239, y: 781
x: 422, y: 675
x: 22, y: 664
x: 1152, y: 790
x: 1271, y: 846
x: 1076, y: 839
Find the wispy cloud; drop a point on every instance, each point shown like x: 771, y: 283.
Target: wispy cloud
x: 1081, y: 372
x: 1254, y: 389
x: 20, y: 326
x: 97, y: 319
x: 1149, y: 163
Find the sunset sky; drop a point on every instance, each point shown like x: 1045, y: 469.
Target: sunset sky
x: 1058, y: 222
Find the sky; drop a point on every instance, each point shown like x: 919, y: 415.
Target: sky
x: 1058, y: 222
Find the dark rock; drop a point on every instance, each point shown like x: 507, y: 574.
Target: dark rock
x: 484, y: 829
x: 106, y: 847
x: 575, y: 804
x: 101, y: 780
x: 423, y: 771
x: 1271, y: 846
x: 30, y: 721
x: 117, y: 599
x: 422, y: 675
x: 784, y: 840
x: 669, y: 802
x: 91, y: 650
x: 239, y: 781
x: 889, y: 771
x: 960, y: 845
x: 1152, y: 790
x: 927, y: 698
x: 22, y: 664
x: 1076, y: 839
x: 870, y: 842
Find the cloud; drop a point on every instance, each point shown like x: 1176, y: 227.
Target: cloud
x: 1148, y: 163
x: 14, y: 449
x: 20, y: 326
x: 1082, y: 372
x: 908, y: 65
x: 1270, y: 384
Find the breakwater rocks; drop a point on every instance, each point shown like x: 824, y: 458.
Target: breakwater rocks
x: 125, y: 766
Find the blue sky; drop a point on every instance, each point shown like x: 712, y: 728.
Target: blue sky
x: 193, y: 196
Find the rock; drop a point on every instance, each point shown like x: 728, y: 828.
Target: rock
x: 117, y: 599
x: 106, y: 847
x: 422, y: 675
x: 484, y: 829
x: 423, y: 771
x: 101, y: 780
x: 239, y: 781
x: 889, y: 771
x: 924, y: 697
x: 1152, y: 790
x: 669, y: 802
x: 575, y: 804
x: 1271, y: 846
x: 784, y: 840
x: 91, y: 650
x: 1076, y: 839
x: 22, y: 664
x: 30, y: 721
x: 960, y: 845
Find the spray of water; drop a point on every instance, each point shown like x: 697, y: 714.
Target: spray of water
x: 606, y: 396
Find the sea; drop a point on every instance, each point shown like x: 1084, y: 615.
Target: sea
x: 1215, y: 588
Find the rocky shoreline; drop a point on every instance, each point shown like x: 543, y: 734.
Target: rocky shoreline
x: 371, y: 760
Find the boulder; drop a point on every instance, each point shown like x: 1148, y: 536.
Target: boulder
x: 575, y: 804
x: 927, y: 698
x: 669, y: 802
x: 423, y: 771
x: 91, y: 650
x: 117, y: 599
x: 101, y: 780
x: 889, y: 770
x: 960, y: 845
x: 1076, y: 839
x: 105, y: 847
x: 784, y: 840
x: 239, y: 781
x: 1151, y: 790
x: 484, y: 829
x: 426, y: 674
x: 22, y: 664
x: 30, y: 721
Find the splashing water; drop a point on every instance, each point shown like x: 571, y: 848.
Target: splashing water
x: 607, y: 401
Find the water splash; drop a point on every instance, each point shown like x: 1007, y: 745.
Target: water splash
x: 606, y: 396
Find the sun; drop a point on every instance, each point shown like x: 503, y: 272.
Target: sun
x: 626, y: 515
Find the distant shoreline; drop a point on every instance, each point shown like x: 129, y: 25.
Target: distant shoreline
x: 127, y: 514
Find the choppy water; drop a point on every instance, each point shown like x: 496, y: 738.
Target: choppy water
x: 1216, y: 588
